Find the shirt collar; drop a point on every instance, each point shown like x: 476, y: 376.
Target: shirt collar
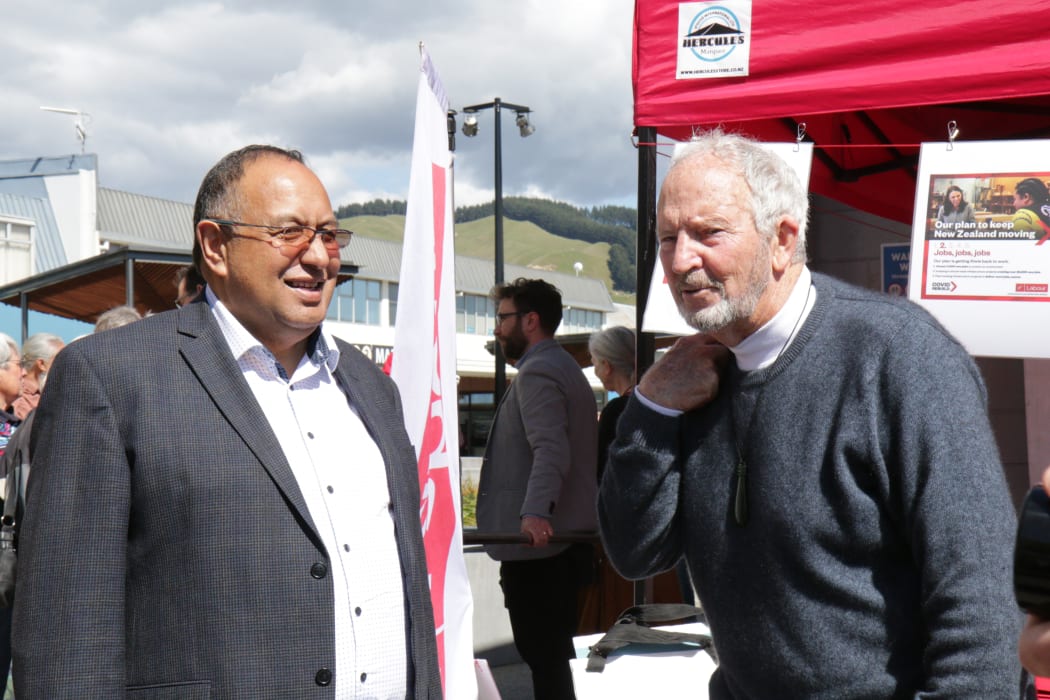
x: 764, y: 346
x: 320, y: 347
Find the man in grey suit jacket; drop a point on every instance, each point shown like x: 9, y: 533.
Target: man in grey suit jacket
x: 224, y: 502
x: 538, y: 477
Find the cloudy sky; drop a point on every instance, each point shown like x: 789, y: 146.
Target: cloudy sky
x: 170, y: 87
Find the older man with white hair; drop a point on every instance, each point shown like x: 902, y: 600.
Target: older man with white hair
x: 37, y: 353
x: 819, y: 454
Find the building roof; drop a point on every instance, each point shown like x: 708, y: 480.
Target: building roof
x: 32, y: 169
x: 475, y: 276
x: 125, y: 218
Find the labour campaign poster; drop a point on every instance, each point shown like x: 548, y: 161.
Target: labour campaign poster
x: 981, y: 244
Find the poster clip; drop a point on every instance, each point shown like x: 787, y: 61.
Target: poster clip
x: 800, y: 133
x: 953, y: 133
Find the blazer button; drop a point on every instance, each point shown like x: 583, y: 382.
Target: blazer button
x: 319, y: 570
x: 323, y: 677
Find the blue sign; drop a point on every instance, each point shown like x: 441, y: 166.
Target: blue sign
x: 895, y: 259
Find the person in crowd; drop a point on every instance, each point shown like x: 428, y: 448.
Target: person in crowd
x: 273, y: 550
x: 1034, y: 643
x: 188, y: 284
x: 538, y: 478
x: 37, y: 353
x: 12, y: 373
x: 1032, y: 206
x: 116, y: 317
x: 955, y: 209
x: 612, y: 354
x: 846, y: 540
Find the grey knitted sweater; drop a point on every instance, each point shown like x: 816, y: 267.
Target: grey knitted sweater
x: 875, y: 561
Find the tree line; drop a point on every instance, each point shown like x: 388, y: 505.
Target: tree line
x: 605, y: 224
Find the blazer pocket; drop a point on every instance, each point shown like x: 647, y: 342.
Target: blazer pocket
x: 188, y: 690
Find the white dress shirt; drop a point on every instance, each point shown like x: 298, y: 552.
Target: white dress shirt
x: 343, y: 480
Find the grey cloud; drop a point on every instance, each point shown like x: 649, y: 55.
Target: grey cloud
x: 171, y: 87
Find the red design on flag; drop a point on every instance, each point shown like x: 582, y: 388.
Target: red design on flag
x: 437, y: 509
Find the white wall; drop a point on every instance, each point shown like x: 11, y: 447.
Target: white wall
x: 74, y: 200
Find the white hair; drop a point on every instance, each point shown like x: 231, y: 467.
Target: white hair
x: 615, y: 345
x: 775, y: 188
x: 8, y: 348
x: 41, y: 346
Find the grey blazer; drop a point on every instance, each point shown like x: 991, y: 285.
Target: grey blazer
x: 540, y: 458
x: 167, y: 551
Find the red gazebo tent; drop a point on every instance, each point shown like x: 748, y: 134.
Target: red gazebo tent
x: 870, y: 80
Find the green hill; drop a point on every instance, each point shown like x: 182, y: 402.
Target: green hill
x: 523, y: 244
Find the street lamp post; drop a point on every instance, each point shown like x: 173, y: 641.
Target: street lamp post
x: 470, y: 128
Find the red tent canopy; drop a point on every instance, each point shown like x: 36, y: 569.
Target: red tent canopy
x: 870, y: 81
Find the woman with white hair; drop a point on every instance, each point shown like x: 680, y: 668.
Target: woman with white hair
x: 11, y: 374
x: 612, y: 354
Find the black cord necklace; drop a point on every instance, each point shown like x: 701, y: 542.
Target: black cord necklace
x: 740, y: 507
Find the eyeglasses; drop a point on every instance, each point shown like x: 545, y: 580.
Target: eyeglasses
x: 504, y: 316
x: 297, y: 236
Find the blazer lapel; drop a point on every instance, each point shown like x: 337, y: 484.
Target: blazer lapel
x: 208, y: 355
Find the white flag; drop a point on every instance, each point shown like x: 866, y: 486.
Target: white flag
x: 424, y: 368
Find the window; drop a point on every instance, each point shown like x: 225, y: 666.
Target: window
x: 16, y: 250
x: 357, y: 301
x: 475, y: 314
x: 392, y: 290
x: 580, y: 320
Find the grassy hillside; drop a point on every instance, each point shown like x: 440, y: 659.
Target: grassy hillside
x: 523, y: 244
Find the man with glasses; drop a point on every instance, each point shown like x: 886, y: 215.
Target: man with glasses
x: 538, y: 478
x: 233, y: 510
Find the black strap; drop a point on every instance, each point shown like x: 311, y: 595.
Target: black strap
x: 11, y: 489
x: 632, y: 627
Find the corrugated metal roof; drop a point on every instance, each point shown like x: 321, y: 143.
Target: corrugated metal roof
x: 48, y: 251
x: 378, y: 260
x: 125, y: 218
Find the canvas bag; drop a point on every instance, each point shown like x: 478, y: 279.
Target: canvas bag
x: 634, y: 626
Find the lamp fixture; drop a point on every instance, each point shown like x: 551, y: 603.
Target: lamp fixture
x: 470, y: 128
x: 470, y: 125
x: 524, y: 126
